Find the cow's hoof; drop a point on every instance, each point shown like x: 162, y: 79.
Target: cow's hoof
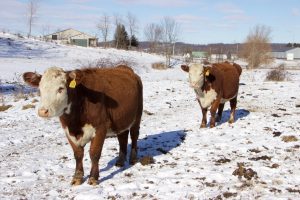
x: 133, y: 161
x: 76, y: 181
x: 203, y: 126
x: 120, y: 162
x: 212, y: 126
x: 92, y: 181
x: 133, y: 157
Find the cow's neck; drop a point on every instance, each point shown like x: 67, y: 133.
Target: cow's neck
x: 85, y: 108
x: 205, y: 94
x: 202, y: 89
x: 72, y: 117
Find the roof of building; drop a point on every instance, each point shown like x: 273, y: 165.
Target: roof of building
x: 283, y: 49
x: 81, y: 33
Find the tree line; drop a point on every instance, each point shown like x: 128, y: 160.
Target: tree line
x: 122, y: 38
x: 163, y: 36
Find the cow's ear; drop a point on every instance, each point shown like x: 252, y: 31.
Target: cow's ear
x: 32, y: 79
x: 185, y: 68
x: 75, y: 78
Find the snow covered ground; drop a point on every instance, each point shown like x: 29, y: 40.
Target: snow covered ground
x: 36, y: 161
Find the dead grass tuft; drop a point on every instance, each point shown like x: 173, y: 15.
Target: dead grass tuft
x: 108, y: 63
x: 159, y: 65
x: 229, y: 194
x: 277, y: 74
x: 147, y: 160
x: 34, y: 101
x: 4, y: 107
x: 25, y: 107
x: 290, y: 138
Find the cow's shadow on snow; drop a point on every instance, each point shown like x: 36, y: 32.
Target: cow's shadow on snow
x: 151, y: 145
x: 239, y: 115
x: 15, y: 88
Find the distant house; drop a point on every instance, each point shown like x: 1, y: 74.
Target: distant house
x: 199, y: 55
x: 73, y: 37
x: 288, y: 53
x: 218, y: 57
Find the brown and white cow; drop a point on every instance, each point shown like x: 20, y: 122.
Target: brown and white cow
x: 91, y: 103
x: 214, y: 85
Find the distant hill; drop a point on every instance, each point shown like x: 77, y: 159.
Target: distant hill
x: 214, y: 48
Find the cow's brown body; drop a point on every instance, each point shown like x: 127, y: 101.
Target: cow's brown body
x: 222, y: 79
x: 103, y: 101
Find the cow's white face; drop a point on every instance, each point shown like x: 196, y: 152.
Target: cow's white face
x: 196, y: 76
x: 54, y: 98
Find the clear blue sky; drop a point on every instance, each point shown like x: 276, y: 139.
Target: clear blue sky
x: 201, y: 21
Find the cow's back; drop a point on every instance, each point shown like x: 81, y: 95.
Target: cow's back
x: 123, y: 95
x: 229, y: 80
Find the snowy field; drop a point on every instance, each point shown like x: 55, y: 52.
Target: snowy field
x: 36, y: 161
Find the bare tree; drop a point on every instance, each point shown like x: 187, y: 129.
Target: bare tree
x: 45, y: 30
x: 117, y: 22
x: 132, y: 26
x: 104, y: 27
x: 256, y: 49
x: 153, y: 34
x: 170, y: 36
x: 32, y: 8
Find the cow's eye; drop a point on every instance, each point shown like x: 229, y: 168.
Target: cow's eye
x: 60, y: 90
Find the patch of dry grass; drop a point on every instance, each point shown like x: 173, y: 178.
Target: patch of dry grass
x: 159, y: 65
x: 34, y: 101
x: 108, y: 63
x: 4, y: 107
x: 277, y: 74
x: 28, y: 106
x: 289, y: 138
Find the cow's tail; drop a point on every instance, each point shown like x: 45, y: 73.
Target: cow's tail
x: 140, y: 101
x: 140, y: 90
x: 238, y: 68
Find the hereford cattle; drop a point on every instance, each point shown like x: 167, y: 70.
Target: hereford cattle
x: 214, y: 85
x: 91, y: 103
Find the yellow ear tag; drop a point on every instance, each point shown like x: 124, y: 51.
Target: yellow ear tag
x: 207, y: 73
x: 72, y: 84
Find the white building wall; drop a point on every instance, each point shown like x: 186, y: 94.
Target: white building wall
x: 280, y: 55
x: 295, y: 52
x: 68, y: 35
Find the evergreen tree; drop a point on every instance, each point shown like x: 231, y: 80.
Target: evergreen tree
x: 121, y: 40
x: 134, y: 41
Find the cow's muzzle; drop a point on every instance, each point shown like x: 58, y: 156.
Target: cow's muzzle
x: 42, y: 112
x: 194, y: 85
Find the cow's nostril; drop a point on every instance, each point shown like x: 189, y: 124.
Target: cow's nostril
x: 43, y: 112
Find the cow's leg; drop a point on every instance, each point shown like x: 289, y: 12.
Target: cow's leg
x: 95, y: 153
x: 232, y: 111
x: 134, y: 134
x: 123, y: 141
x: 204, y: 118
x: 213, y: 110
x: 220, y: 111
x: 204, y: 112
x: 78, y: 154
